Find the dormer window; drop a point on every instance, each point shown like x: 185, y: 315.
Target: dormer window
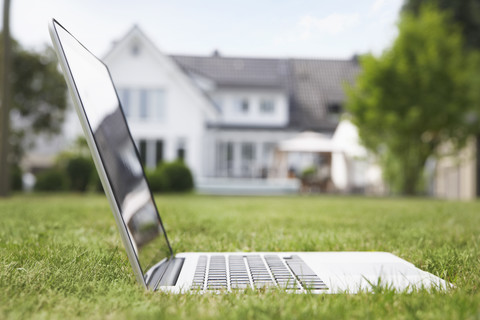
x: 267, y: 106
x: 334, y: 108
x: 135, y: 49
x: 242, y: 105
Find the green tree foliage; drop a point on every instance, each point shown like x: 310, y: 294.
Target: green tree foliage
x: 466, y: 13
x: 37, y: 104
x: 418, y: 94
x: 39, y: 97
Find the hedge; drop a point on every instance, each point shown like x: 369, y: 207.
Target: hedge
x: 77, y: 173
x: 52, y: 179
x: 171, y: 177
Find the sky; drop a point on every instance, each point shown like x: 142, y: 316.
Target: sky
x: 261, y: 28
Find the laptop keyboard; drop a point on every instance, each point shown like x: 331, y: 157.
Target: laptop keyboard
x: 233, y: 272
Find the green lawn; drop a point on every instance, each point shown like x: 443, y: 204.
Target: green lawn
x: 61, y: 255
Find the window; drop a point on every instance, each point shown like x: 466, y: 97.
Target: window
x: 158, y: 152
x: 224, y: 159
x: 143, y: 104
x: 267, y: 106
x: 142, y: 149
x: 334, y: 108
x: 242, y: 105
x: 248, y: 151
x: 124, y: 96
x: 158, y: 103
x: 267, y: 160
x: 181, y: 152
x: 135, y: 49
x: 229, y: 158
x: 151, y: 152
x: 268, y: 153
x: 247, y: 157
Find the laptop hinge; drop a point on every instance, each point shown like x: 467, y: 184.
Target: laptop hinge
x: 166, y: 274
x: 172, y: 272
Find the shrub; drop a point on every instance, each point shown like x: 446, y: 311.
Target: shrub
x: 157, y: 180
x: 95, y: 184
x: 51, y: 180
x: 309, y: 173
x: 170, y: 177
x: 16, y: 178
x: 178, y: 176
x: 79, y: 171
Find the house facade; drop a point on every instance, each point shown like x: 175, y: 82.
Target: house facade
x: 166, y: 113
x: 457, y: 173
x: 224, y: 116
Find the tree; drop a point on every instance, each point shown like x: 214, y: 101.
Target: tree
x: 5, y: 103
x: 38, y: 100
x: 465, y: 13
x: 417, y: 95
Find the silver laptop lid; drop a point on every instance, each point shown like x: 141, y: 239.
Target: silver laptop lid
x: 115, y: 155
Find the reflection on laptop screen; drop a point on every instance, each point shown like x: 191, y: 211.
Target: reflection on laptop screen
x: 117, y: 152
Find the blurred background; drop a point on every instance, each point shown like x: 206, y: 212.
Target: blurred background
x: 377, y: 97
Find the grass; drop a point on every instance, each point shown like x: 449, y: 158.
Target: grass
x: 61, y: 255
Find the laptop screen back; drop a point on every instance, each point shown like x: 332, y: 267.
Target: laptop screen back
x: 118, y: 154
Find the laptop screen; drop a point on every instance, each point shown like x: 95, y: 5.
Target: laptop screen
x: 117, y: 151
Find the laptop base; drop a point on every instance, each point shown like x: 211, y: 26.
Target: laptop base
x: 341, y: 272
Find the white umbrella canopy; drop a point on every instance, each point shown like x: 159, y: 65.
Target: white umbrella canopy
x: 346, y: 139
x: 348, y: 157
x: 308, y: 142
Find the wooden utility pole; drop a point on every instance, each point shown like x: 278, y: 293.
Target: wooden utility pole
x: 5, y: 96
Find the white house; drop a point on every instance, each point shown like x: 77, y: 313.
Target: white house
x: 166, y: 112
x: 223, y: 115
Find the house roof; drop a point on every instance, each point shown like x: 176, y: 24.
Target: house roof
x: 237, y: 72
x: 311, y: 84
x: 316, y: 85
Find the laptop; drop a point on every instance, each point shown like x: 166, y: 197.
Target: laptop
x: 145, y: 239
